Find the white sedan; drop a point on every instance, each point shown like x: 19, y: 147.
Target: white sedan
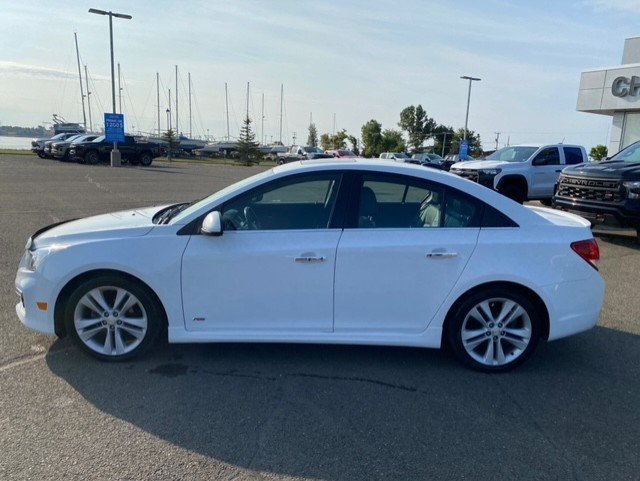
x: 344, y: 252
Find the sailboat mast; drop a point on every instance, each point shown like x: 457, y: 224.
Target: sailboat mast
x: 281, y: 105
x: 247, y: 100
x: 119, y: 91
x: 262, y: 127
x: 86, y: 79
x: 169, y: 112
x: 84, y: 115
x: 190, y: 133
x: 158, y: 99
x: 226, y: 101
x: 177, y: 130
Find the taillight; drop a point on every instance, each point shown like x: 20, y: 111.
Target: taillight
x: 588, y: 250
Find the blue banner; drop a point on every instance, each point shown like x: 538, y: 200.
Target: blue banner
x: 464, y: 150
x: 114, y: 127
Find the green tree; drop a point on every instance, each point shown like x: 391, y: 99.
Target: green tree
x: 354, y: 144
x: 599, y: 152
x: 312, y: 140
x: 248, y: 152
x: 442, y: 136
x: 475, y: 145
x: 417, y: 124
x: 372, y: 139
x: 392, y: 141
x: 335, y: 141
x: 172, y: 141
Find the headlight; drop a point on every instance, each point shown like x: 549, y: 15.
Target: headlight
x: 490, y: 171
x: 35, y: 257
x: 633, y: 189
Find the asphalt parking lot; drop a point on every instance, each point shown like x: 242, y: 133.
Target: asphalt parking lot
x: 298, y: 412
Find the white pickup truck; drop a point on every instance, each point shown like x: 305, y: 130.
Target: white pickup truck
x: 523, y: 172
x: 299, y: 152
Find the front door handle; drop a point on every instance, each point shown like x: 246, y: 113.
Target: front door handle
x: 310, y: 260
x: 441, y: 255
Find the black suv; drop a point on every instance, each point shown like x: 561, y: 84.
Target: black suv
x: 605, y: 193
x: 132, y: 150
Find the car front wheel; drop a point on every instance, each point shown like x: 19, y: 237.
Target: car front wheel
x: 494, y: 330
x: 113, y: 318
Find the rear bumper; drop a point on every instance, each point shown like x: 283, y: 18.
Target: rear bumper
x: 576, y: 306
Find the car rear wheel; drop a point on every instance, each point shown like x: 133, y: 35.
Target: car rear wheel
x: 113, y: 318
x: 494, y: 330
x: 146, y: 159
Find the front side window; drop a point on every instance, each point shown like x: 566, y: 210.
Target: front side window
x: 301, y: 202
x: 402, y: 202
x: 549, y: 156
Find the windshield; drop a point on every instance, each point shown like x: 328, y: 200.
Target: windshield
x: 98, y: 139
x: 512, y: 154
x: 401, y: 156
x: 629, y: 154
x: 220, y: 194
x: 313, y: 150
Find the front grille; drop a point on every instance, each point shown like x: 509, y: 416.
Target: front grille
x: 598, y: 190
x: 471, y: 175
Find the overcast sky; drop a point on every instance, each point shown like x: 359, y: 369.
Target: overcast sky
x: 358, y: 59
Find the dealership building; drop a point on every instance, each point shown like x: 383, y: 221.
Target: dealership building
x: 615, y: 91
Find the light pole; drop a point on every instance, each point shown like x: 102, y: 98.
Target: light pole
x: 466, y: 118
x: 115, y: 153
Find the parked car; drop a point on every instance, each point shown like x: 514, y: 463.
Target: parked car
x: 427, y: 160
x: 341, y: 153
x: 60, y: 149
x: 299, y: 152
x: 38, y: 145
x: 131, y: 150
x: 480, y: 273
x: 397, y: 156
x: 523, y: 172
x: 606, y: 193
x: 451, y: 159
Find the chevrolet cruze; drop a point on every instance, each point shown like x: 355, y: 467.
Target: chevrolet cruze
x: 346, y: 252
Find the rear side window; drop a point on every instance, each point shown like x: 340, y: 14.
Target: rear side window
x: 572, y: 155
x: 494, y: 218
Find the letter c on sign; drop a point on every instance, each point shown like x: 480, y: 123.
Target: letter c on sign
x: 620, y: 87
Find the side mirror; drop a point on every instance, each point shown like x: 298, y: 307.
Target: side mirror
x: 212, y: 224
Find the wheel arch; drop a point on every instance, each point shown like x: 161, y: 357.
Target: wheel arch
x: 531, y: 294
x: 514, y: 179
x: 65, y: 292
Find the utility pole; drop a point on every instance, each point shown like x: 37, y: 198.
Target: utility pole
x: 119, y: 90
x: 294, y: 138
x: 84, y: 115
x: 86, y: 79
x: 444, y: 143
x: 158, y: 99
x: 190, y: 133
x: 281, y: 105
x: 497, y: 138
x: 334, y: 124
x: 466, y: 118
x: 177, y: 130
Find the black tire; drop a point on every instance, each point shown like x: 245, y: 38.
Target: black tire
x: 462, y: 320
x: 41, y: 155
x: 514, y: 192
x: 91, y: 157
x: 146, y: 305
x: 546, y: 202
x: 133, y: 160
x: 146, y: 158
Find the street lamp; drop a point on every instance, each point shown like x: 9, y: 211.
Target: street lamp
x: 466, y: 119
x: 115, y: 153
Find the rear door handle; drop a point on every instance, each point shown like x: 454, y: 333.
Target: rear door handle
x: 310, y: 260
x: 441, y: 255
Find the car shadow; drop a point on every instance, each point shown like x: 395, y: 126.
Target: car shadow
x: 349, y: 412
x: 623, y: 240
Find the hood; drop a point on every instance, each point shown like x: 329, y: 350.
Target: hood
x: 479, y: 164
x: 129, y: 223
x: 613, y: 169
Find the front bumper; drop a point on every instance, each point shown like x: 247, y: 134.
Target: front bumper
x: 32, y: 289
x: 623, y: 215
